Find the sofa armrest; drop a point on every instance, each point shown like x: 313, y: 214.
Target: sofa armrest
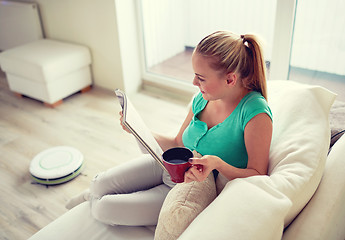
x: 79, y: 224
x: 324, y: 216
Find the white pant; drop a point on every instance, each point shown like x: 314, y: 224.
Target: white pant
x: 130, y: 194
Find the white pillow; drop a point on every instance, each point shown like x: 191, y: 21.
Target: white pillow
x: 301, y: 137
x: 324, y: 216
x: 261, y: 206
x: 183, y: 203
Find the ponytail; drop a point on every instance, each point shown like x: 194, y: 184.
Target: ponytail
x: 238, y: 54
x: 257, y: 80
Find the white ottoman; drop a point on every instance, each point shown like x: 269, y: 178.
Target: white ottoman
x: 47, y: 70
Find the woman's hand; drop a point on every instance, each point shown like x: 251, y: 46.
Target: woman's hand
x: 123, y: 126
x: 201, y: 168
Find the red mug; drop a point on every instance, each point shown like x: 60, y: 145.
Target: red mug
x: 176, y: 162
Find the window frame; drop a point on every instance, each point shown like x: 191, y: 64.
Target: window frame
x: 281, y: 50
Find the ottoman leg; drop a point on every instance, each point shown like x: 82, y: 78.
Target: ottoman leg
x: 53, y: 105
x: 86, y: 89
x: 18, y: 94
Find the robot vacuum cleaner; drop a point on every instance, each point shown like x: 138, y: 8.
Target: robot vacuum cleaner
x: 56, y: 165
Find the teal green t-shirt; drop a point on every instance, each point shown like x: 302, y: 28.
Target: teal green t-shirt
x: 225, y: 140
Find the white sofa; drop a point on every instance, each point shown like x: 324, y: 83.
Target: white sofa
x: 302, y: 198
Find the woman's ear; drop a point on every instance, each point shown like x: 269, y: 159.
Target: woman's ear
x: 231, y: 79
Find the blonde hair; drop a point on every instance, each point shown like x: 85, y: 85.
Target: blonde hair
x: 242, y: 54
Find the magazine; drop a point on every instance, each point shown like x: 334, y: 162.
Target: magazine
x: 134, y: 123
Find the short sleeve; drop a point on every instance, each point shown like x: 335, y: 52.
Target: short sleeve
x: 198, y: 103
x: 255, y: 105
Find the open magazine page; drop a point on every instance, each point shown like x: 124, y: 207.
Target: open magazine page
x: 133, y: 121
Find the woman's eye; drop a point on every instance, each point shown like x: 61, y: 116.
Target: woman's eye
x: 201, y: 80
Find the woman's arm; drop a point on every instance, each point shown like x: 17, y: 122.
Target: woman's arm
x: 169, y: 142
x: 257, y: 137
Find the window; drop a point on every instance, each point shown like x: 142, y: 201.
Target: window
x: 305, y: 40
x: 172, y: 28
x: 318, y: 47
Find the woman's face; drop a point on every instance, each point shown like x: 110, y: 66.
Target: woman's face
x: 210, y: 82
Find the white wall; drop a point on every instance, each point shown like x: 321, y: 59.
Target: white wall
x: 91, y: 23
x: 282, y: 39
x: 19, y: 24
x: 129, y: 44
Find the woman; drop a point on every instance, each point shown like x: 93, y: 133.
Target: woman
x: 229, y: 123
x: 232, y: 112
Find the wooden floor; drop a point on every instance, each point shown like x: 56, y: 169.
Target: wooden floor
x: 88, y: 122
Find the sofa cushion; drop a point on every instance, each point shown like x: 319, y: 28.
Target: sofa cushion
x: 299, y: 147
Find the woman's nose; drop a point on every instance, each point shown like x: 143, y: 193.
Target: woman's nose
x: 196, y: 81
